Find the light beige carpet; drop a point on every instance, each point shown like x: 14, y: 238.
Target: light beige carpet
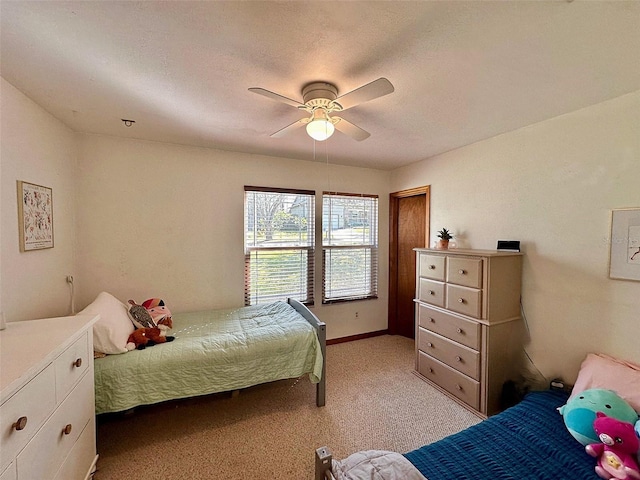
x: 374, y: 401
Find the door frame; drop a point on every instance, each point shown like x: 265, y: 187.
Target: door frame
x: 394, y: 200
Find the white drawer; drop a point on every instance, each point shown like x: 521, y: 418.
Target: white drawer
x: 465, y: 271
x: 457, y: 356
x: 44, y: 454
x: 80, y: 460
x: 432, y: 266
x: 35, y: 402
x: 467, y: 301
x: 71, y: 365
x: 9, y: 473
x: 431, y: 292
x: 459, y: 329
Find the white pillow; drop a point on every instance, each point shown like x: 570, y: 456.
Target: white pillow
x: 111, y: 332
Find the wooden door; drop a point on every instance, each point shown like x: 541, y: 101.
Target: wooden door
x: 409, y: 224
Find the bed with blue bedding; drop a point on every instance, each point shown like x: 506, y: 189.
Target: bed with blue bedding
x: 528, y: 441
x: 217, y: 351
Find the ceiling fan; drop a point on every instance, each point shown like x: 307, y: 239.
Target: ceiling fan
x: 321, y: 100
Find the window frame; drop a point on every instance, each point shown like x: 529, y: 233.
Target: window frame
x: 374, y: 250
x: 310, y: 249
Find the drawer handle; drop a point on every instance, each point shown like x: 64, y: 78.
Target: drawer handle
x: 432, y: 320
x: 432, y: 267
x: 461, y: 300
x: 459, y: 359
x: 462, y: 272
x: 67, y: 429
x: 460, y: 331
x: 430, y: 370
x: 77, y: 363
x: 431, y: 292
x: 429, y: 344
x: 458, y: 386
x: 20, y: 424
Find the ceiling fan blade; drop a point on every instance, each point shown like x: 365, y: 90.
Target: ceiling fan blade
x: 375, y: 89
x: 275, y: 96
x: 350, y: 129
x: 289, y: 128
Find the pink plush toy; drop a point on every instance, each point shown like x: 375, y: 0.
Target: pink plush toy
x: 159, y: 312
x: 617, y: 452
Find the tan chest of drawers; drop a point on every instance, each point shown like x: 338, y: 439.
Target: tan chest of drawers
x: 47, y: 409
x: 468, y: 324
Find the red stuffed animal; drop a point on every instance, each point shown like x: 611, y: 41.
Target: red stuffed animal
x: 147, y: 337
x: 617, y: 452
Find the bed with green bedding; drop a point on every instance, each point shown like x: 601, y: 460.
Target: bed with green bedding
x: 217, y: 351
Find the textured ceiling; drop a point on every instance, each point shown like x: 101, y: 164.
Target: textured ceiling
x: 462, y: 71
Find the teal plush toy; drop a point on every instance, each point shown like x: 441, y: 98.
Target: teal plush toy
x: 580, y: 412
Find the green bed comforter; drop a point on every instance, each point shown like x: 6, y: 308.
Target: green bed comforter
x: 213, y: 351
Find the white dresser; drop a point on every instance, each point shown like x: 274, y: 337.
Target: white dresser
x: 468, y: 323
x: 47, y: 409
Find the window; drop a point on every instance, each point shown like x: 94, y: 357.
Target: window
x: 279, y: 245
x: 349, y: 247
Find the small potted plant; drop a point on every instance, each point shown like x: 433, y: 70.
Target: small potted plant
x: 444, y: 235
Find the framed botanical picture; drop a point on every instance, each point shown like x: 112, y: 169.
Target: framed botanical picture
x: 35, y: 216
x: 625, y: 244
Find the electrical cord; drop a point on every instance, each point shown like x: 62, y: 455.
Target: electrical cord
x: 526, y: 324
x: 72, y: 302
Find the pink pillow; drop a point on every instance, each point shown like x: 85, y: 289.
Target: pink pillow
x: 602, y: 371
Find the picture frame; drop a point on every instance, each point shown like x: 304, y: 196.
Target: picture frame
x: 35, y: 216
x: 624, y: 257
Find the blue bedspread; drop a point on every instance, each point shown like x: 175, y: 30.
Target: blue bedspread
x: 526, y: 442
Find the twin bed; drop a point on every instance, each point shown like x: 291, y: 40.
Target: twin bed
x: 528, y: 441
x: 217, y: 351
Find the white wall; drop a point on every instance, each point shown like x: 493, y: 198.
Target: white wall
x: 35, y: 148
x: 552, y: 186
x: 160, y: 220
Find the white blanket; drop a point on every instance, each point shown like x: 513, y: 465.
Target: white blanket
x: 375, y: 465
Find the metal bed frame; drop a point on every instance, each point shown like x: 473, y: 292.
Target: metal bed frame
x: 321, y: 331
x: 323, y: 464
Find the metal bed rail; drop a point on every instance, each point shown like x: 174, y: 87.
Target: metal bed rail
x: 323, y: 464
x: 321, y: 330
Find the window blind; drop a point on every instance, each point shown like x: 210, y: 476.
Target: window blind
x: 279, y: 245
x: 349, y: 247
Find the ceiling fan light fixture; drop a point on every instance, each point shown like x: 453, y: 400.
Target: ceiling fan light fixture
x: 320, y: 127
